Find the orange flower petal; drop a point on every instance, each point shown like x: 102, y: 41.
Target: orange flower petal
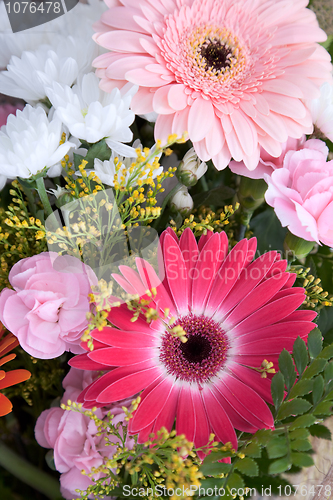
x: 7, y: 358
x: 8, y: 343
x: 5, y: 405
x: 14, y: 377
x: 2, y: 374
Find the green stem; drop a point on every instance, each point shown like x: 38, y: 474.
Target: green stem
x: 28, y: 473
x: 31, y: 200
x: 165, y: 202
x: 245, y: 218
x: 43, y: 196
x: 204, y: 183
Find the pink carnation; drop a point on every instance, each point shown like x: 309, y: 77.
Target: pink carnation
x: 301, y: 193
x: 268, y: 163
x: 47, y: 309
x: 233, y: 73
x: 6, y: 110
x: 73, y: 437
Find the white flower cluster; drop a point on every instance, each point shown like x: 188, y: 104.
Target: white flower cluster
x: 50, y: 68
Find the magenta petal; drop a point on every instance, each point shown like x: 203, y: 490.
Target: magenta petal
x: 219, y: 420
x: 82, y: 362
x: 202, y: 430
x: 269, y: 314
x: 166, y: 418
x: 190, y: 251
x: 151, y: 406
x: 123, y: 338
x: 185, y: 422
x: 144, y: 434
x: 204, y: 272
x: 129, y: 385
x: 117, y: 356
x: 238, y: 420
x: 203, y: 239
x: 176, y: 273
x: 226, y: 277
x: 256, y: 299
x: 248, y: 280
x: 246, y: 402
x: 253, y: 379
x: 121, y: 318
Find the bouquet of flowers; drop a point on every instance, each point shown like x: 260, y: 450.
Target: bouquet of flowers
x: 166, y: 232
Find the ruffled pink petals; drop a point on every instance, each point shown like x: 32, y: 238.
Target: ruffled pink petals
x: 218, y: 419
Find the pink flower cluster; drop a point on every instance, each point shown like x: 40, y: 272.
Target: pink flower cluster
x: 73, y: 436
x: 47, y: 309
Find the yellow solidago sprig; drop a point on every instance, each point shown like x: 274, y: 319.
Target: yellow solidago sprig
x: 166, y: 460
x: 16, y: 242
x: 206, y: 220
x: 316, y: 297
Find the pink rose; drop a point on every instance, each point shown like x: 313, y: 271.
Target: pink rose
x: 6, y: 110
x: 268, y: 163
x: 301, y: 193
x: 73, y: 436
x: 47, y: 309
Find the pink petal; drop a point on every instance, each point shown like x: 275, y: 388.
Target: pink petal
x: 190, y: 251
x: 185, y: 421
x: 253, y: 379
x: 245, y: 131
x: 166, y: 418
x: 123, y: 338
x: 176, y: 273
x: 202, y: 430
x: 219, y: 420
x: 177, y: 98
x: 122, y: 41
x: 116, y: 356
x: 201, y: 119
x: 152, y: 405
x: 82, y: 362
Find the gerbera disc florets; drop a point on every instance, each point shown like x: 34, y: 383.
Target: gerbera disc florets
x: 202, y: 356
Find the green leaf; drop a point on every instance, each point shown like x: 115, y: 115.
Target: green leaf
x: 77, y: 160
x: 299, y: 433
x: 324, y: 408
x: 316, y: 367
x: 263, y: 436
x: 211, y: 483
x: 301, y: 459
x: 99, y: 150
x: 270, y: 233
x: 321, y: 431
x: 287, y: 368
x: 253, y: 450
x: 300, y: 388
x: 235, y: 481
x: 315, y: 343
x: 279, y: 466
x: 214, y: 197
x: 247, y: 466
x: 295, y: 407
x: 277, y: 447
x: 214, y: 469
x: 300, y: 355
x: 303, y: 421
x: 327, y: 352
x: 328, y: 373
x: 301, y: 445
x: 215, y: 456
x: 318, y: 389
x: 277, y: 389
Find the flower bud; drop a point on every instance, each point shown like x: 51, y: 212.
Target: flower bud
x: 191, y: 169
x: 182, y: 202
x: 296, y: 247
x: 251, y: 193
x: 63, y: 196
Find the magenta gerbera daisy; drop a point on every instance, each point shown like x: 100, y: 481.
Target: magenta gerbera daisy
x: 235, y: 313
x: 233, y: 73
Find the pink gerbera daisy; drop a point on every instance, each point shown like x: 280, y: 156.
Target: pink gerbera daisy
x: 235, y: 314
x: 232, y: 73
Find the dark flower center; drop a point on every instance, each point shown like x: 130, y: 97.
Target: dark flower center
x: 196, y: 349
x: 202, y: 356
x: 216, y: 54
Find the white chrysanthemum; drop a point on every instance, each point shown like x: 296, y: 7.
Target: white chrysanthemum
x: 30, y: 142
x: 321, y: 110
x: 92, y: 114
x: 78, y: 22
x: 105, y: 170
x: 27, y: 77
